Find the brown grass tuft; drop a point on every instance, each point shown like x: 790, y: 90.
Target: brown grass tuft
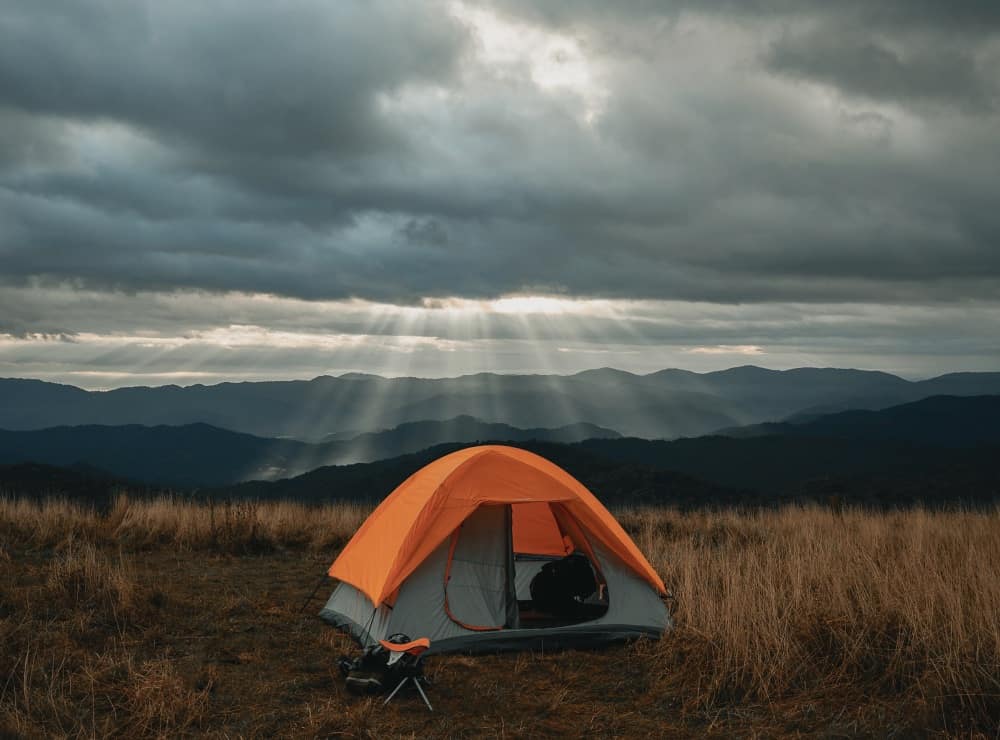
x: 82, y: 577
x: 46, y: 523
x: 162, y: 702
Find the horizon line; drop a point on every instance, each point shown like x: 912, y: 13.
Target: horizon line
x: 605, y: 368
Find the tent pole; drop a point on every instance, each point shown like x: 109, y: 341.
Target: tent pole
x: 315, y: 589
x: 513, y: 616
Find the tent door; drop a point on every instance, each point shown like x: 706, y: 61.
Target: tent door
x: 479, y: 577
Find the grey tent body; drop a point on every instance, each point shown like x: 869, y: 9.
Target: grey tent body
x: 482, y: 586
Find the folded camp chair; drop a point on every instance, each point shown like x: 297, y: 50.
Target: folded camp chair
x: 405, y: 661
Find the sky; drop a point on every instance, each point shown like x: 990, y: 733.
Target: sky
x: 199, y: 191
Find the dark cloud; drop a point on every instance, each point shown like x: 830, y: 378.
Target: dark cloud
x: 251, y: 78
x: 756, y: 152
x: 974, y: 17
x: 428, y: 232
x: 873, y: 68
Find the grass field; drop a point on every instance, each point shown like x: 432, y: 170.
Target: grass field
x: 165, y: 618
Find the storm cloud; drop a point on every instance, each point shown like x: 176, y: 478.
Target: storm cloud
x: 725, y: 156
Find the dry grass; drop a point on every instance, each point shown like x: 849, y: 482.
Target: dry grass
x: 800, y: 601
x: 166, y: 618
x: 240, y: 527
x: 81, y: 577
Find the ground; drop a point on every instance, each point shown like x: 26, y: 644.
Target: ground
x: 252, y: 663
x: 105, y: 633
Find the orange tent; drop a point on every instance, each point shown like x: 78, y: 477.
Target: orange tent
x: 428, y: 506
x: 550, y: 514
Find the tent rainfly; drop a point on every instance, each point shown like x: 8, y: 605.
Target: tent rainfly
x: 451, y: 553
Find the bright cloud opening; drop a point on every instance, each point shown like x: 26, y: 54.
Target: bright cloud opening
x: 727, y: 349
x: 554, y: 62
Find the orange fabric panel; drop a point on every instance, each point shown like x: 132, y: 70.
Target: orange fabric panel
x: 429, y: 505
x: 414, y: 646
x: 536, y: 531
x: 575, y: 535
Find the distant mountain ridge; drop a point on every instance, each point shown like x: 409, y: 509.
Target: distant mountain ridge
x: 947, y: 421
x: 194, y: 455
x: 706, y: 471
x: 79, y: 482
x: 911, y: 475
x: 938, y: 450
x: 418, y: 435
x: 665, y: 404
x: 923, y: 437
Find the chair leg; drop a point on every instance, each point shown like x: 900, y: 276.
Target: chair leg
x: 422, y: 694
x: 416, y: 682
x: 396, y: 690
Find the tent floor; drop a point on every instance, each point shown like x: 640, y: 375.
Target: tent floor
x: 531, y: 618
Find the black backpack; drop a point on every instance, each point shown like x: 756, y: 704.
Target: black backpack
x: 367, y: 673
x: 561, y: 586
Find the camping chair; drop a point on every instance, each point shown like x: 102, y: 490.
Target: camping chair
x: 405, y: 661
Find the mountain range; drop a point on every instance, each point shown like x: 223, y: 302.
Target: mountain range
x: 665, y: 404
x: 194, y: 455
x: 937, y: 450
x: 946, y: 421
